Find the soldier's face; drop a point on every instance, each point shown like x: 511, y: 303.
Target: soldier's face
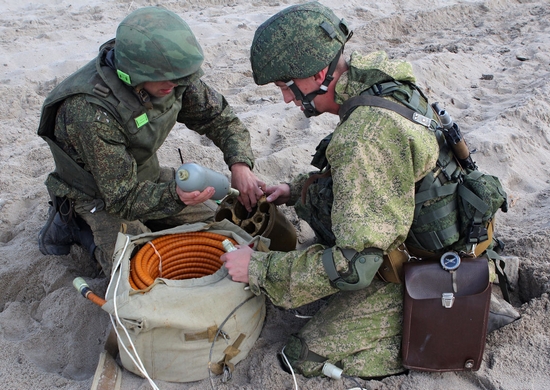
x: 159, y: 88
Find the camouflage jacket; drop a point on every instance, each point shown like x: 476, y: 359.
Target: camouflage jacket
x: 98, y: 128
x: 376, y: 157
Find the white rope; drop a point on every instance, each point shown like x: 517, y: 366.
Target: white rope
x: 137, y: 361
x: 158, y: 254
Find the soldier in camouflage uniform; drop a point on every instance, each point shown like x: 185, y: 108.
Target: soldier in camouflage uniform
x: 360, y: 209
x: 104, y: 124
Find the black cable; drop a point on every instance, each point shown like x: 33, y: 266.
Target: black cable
x: 356, y: 382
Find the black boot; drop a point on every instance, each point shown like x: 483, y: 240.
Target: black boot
x: 63, y: 229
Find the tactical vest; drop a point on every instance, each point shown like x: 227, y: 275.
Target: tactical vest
x: 145, y: 129
x: 453, y: 206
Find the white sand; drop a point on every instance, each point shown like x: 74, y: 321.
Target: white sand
x: 51, y: 337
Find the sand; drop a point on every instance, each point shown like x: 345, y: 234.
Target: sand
x: 487, y: 62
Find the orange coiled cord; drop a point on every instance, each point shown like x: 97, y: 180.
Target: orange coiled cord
x: 177, y: 256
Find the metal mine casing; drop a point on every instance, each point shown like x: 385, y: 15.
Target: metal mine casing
x: 264, y: 220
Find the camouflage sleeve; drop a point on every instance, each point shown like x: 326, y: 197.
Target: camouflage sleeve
x: 293, y: 279
x: 376, y: 158
x: 95, y: 140
x: 207, y: 112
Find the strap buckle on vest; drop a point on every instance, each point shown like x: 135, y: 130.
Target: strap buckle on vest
x: 477, y: 233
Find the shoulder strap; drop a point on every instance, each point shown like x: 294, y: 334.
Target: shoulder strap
x: 367, y: 100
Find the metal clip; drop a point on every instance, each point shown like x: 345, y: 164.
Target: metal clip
x: 227, y: 374
x: 402, y: 248
x: 421, y: 119
x: 447, y: 300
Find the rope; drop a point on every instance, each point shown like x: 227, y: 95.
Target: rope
x: 177, y: 256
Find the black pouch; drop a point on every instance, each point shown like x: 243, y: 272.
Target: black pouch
x: 444, y: 326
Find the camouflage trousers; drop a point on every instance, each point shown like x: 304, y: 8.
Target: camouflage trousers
x: 359, y: 331
x: 105, y: 226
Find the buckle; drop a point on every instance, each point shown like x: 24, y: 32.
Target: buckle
x: 477, y: 233
x: 447, y: 300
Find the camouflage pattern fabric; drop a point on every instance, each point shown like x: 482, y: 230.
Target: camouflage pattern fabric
x: 376, y: 157
x: 124, y: 164
x: 359, y: 331
x: 163, y: 39
x: 296, y: 43
x: 380, y: 69
x: 93, y: 115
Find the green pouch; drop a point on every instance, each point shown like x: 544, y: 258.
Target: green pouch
x: 480, y: 196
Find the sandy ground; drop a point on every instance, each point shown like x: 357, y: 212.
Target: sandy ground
x: 487, y: 62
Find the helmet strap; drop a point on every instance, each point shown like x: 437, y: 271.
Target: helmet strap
x: 307, y: 100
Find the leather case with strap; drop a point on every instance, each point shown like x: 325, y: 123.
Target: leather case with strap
x: 444, y: 326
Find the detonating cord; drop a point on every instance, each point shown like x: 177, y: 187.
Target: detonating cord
x: 177, y: 256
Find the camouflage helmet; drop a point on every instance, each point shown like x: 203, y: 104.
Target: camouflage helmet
x: 154, y: 44
x: 296, y: 43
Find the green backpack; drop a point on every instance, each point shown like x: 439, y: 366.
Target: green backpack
x: 455, y: 203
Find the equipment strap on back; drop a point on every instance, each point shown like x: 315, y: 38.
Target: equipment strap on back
x: 366, y: 100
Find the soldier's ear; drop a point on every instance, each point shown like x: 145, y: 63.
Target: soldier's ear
x: 319, y: 77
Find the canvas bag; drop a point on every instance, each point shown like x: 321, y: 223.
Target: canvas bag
x: 172, y: 325
x: 440, y: 338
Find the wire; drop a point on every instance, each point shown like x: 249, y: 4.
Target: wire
x: 356, y: 382
x: 137, y: 361
x: 220, y: 331
x: 289, y: 367
x: 176, y: 256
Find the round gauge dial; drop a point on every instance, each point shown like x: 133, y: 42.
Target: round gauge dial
x: 450, y: 261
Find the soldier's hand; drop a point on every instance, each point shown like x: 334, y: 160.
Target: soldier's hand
x: 278, y: 194
x: 237, y: 263
x: 249, y: 186
x: 195, y: 197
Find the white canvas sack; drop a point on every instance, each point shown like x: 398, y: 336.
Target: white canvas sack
x: 168, y: 330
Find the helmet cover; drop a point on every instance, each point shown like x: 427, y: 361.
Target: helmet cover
x: 296, y: 43
x: 155, y: 44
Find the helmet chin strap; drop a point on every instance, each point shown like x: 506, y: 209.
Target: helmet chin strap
x: 307, y: 100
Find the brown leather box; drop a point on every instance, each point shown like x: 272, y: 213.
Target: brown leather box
x: 445, y: 333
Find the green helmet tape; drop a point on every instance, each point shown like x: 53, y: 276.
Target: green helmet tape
x: 141, y: 120
x: 123, y: 76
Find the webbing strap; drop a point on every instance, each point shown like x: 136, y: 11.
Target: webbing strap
x: 435, y: 192
x: 471, y: 198
x: 436, y: 214
x: 366, y: 100
x: 433, y: 240
x: 503, y: 281
x: 328, y: 263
